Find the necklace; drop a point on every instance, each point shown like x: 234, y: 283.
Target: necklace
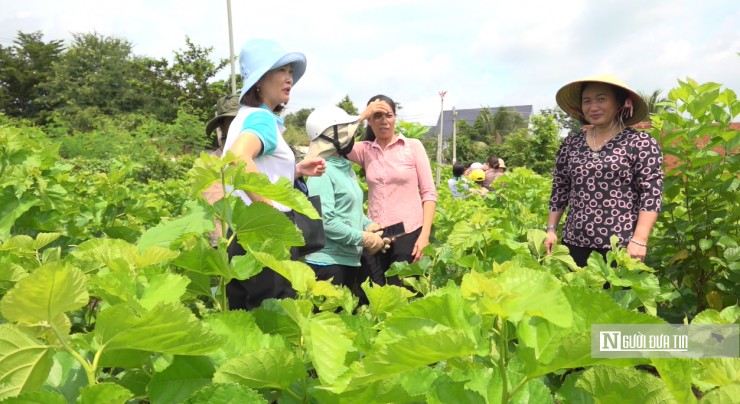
x: 596, y: 149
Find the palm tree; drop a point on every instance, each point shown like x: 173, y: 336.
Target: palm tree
x: 653, y: 100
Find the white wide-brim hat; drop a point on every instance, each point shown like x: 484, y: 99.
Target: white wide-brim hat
x: 259, y: 56
x: 569, y: 98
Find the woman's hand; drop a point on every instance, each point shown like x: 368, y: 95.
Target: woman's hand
x: 550, y: 240
x: 637, y: 251
x: 312, y: 167
x: 374, y: 107
x: 421, y: 242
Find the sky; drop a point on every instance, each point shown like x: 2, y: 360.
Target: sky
x: 481, y: 52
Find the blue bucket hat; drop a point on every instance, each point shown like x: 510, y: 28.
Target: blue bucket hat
x: 258, y: 56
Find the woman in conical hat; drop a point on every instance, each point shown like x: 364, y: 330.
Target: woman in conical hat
x: 609, y: 176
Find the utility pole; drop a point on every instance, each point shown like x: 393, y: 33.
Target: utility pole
x: 231, y: 49
x: 439, y: 135
x: 454, y: 135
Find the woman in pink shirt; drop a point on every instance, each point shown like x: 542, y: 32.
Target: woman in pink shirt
x: 400, y: 187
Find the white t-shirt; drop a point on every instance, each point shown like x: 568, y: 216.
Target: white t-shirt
x: 276, y: 159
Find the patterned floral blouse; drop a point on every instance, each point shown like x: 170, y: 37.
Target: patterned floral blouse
x: 606, y: 190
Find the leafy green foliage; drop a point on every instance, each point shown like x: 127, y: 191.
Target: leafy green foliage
x: 701, y: 226
x: 110, y: 290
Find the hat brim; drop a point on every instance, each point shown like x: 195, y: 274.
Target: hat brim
x: 215, y: 121
x: 297, y: 59
x: 568, y: 98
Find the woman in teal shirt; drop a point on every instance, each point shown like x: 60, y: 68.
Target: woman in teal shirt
x: 346, y: 227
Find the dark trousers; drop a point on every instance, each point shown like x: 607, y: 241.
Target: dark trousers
x: 375, y: 266
x: 580, y: 254
x: 250, y: 293
x: 341, y: 275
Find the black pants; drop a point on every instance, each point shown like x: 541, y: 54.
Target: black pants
x: 250, y: 293
x: 580, y: 254
x: 341, y: 275
x: 375, y: 266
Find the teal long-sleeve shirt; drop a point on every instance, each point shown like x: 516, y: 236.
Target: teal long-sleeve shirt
x: 344, y: 219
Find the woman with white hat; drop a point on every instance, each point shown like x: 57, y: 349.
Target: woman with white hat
x: 268, y: 75
x: 347, y: 230
x: 609, y: 176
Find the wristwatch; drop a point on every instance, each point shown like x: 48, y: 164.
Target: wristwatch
x: 551, y: 227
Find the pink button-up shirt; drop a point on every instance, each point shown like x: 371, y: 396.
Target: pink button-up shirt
x: 399, y: 179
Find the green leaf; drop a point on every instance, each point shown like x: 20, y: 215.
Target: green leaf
x: 676, y: 373
x: 444, y: 309
x: 258, y: 223
x: 447, y: 390
x: 162, y: 288
x: 240, y: 334
x: 705, y: 244
x: 385, y: 299
x: 168, y: 328
x: 533, y: 391
x: 328, y: 340
x: 24, y: 362
x: 618, y: 385
x: 226, y: 393
x: 45, y: 295
x: 722, y: 395
x: 535, y: 240
x: 11, y: 208
x: 719, y: 371
x: 37, y: 397
x: 402, y: 353
x: 186, y: 375
x: 44, y: 239
x: 281, y: 191
x: 166, y: 233
x: 104, y: 393
x: 300, y: 275
x: 545, y: 347
x: 518, y: 292
x: 66, y: 376
x: 268, y: 368
x: 202, y: 258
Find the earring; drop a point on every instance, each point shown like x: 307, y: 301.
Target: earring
x: 258, y: 89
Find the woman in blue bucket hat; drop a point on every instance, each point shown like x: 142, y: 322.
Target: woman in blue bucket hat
x: 256, y: 136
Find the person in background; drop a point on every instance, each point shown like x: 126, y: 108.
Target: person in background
x: 348, y: 231
x: 400, y: 187
x: 495, y: 168
x: 478, y: 176
x: 473, y: 166
x: 226, y: 109
x: 458, y: 184
x: 256, y: 136
x: 609, y: 176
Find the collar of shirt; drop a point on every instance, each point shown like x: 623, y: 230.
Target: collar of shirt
x: 400, y: 137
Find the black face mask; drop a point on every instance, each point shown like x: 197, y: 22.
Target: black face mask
x: 343, y: 151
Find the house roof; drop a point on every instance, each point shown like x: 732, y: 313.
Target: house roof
x: 470, y: 115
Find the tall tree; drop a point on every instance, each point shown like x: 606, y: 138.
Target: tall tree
x: 348, y: 106
x: 23, y: 67
x: 191, y: 74
x: 93, y: 73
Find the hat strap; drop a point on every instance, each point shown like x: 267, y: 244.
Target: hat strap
x: 335, y: 141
